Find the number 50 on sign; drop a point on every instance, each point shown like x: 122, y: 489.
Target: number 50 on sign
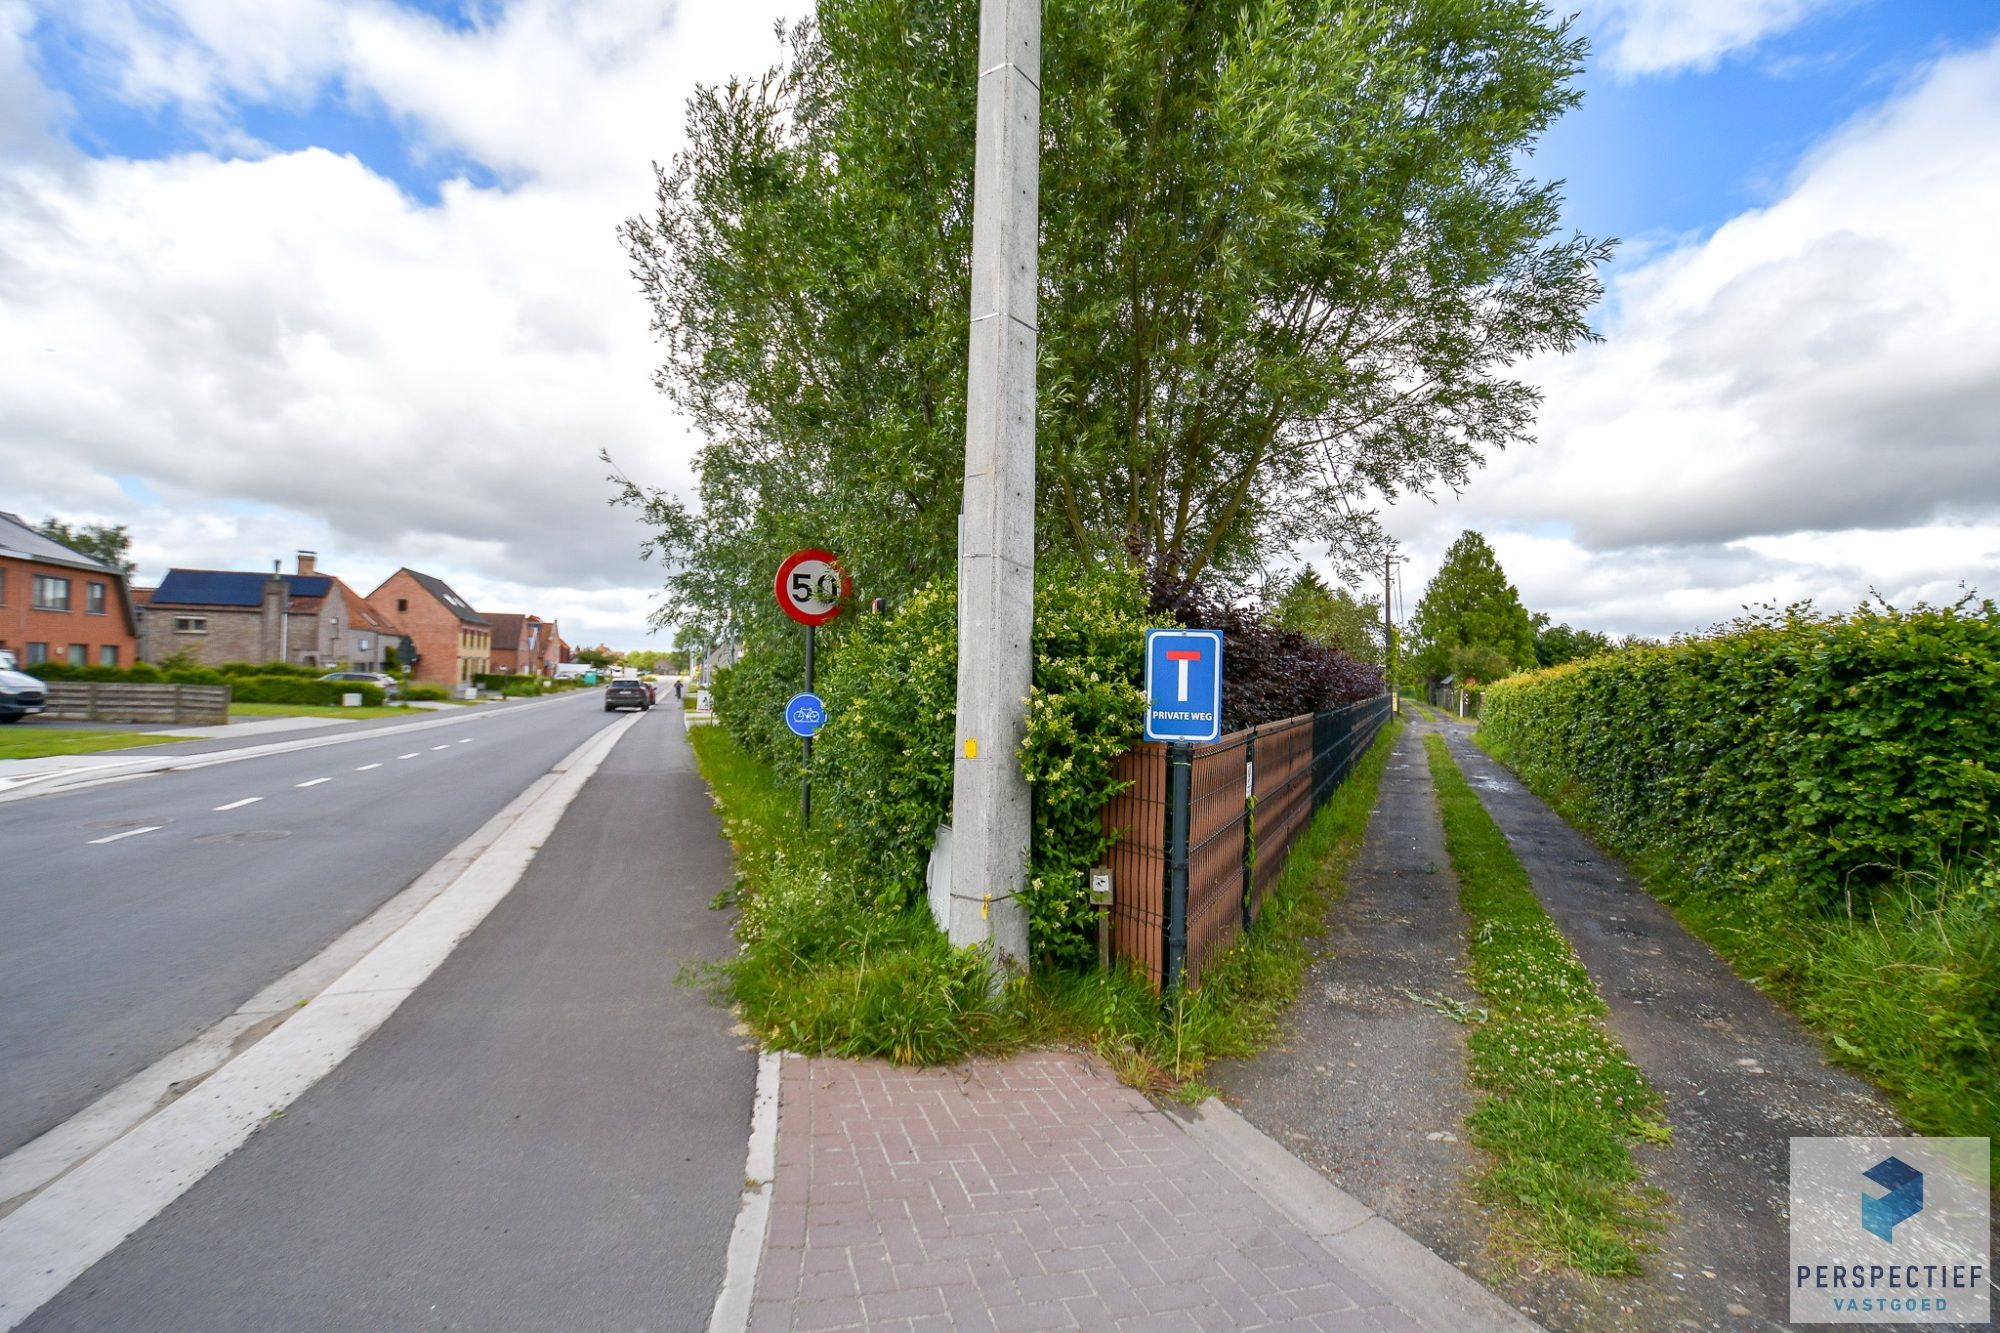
x: 811, y: 587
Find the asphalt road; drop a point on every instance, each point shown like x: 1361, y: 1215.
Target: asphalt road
x: 549, y: 1134
x: 117, y: 952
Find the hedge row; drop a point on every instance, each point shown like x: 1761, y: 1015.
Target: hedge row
x: 1797, y: 752
x: 293, y: 690
x: 292, y: 686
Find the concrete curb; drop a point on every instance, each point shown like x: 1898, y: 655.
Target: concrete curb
x: 56, y: 1236
x: 1437, y: 1294
x: 760, y: 1169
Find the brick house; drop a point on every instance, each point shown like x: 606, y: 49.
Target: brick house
x: 453, y: 642
x: 306, y: 618
x: 523, y: 644
x: 57, y: 605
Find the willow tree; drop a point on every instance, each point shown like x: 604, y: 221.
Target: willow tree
x: 1289, y: 265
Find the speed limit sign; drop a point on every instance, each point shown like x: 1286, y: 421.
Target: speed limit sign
x: 811, y: 586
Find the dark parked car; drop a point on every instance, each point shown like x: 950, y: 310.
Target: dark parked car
x: 20, y: 696
x: 627, y: 694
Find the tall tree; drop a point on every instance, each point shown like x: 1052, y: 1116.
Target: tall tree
x: 1331, y: 616
x: 1288, y: 262
x: 1556, y: 644
x: 1471, y: 619
x: 101, y: 542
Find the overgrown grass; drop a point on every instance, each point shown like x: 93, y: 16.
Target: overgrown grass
x: 1908, y: 996
x: 822, y: 968
x: 41, y: 742
x: 1564, y: 1102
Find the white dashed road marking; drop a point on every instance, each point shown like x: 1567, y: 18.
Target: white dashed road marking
x: 314, y: 782
x: 440, y: 747
x: 411, y: 755
x: 238, y: 805
x: 365, y: 767
x: 466, y: 741
x: 128, y: 833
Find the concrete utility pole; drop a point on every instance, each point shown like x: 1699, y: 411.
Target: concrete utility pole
x: 996, y: 542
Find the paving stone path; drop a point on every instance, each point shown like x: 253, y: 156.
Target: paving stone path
x: 1030, y: 1193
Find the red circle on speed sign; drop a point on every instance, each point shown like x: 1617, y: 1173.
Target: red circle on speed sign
x: 811, y: 586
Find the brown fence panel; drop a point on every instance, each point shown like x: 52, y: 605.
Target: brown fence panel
x: 1284, y: 794
x: 1137, y: 817
x: 1288, y: 768
x: 1216, y: 820
x: 139, y: 702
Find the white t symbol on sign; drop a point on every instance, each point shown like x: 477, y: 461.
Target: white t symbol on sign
x: 1184, y: 656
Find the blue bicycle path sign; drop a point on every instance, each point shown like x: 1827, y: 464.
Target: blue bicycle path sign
x: 1183, y: 685
x: 805, y: 714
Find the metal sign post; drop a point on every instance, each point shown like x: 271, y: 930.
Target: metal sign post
x: 811, y: 588
x: 1183, y: 706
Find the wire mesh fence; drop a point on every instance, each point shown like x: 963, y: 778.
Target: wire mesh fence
x: 1250, y: 795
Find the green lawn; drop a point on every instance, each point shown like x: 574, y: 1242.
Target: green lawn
x: 320, y: 710
x: 39, y: 742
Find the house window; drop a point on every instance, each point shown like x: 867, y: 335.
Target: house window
x: 38, y: 652
x: 108, y: 655
x: 93, y: 599
x: 51, y: 593
x: 3, y: 587
x: 79, y: 654
x: 190, y: 624
x: 402, y: 603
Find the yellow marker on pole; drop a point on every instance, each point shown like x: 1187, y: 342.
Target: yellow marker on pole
x: 971, y: 748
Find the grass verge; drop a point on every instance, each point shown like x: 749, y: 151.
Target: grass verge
x: 36, y: 742
x: 321, y: 710
x: 1563, y: 1101
x: 1908, y: 996
x: 823, y: 968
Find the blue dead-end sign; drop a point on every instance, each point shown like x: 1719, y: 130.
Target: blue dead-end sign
x: 805, y: 714
x: 1183, y: 685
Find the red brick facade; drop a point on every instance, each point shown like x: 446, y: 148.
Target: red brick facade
x: 52, y: 610
x: 454, y: 643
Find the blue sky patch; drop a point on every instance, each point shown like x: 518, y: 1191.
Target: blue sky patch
x: 107, y: 125
x: 1657, y: 157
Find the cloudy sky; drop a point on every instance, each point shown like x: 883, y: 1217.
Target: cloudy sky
x: 341, y: 274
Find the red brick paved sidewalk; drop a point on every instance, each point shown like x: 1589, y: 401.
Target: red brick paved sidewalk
x: 1030, y: 1193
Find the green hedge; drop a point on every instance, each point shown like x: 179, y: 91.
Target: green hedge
x: 289, y: 687
x: 882, y: 767
x: 294, y: 690
x: 418, y: 690
x: 270, y: 669
x: 142, y: 672
x: 1799, y: 753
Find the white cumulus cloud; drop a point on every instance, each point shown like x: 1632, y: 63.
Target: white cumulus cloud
x: 239, y: 351
x: 1661, y: 36
x: 1803, y: 403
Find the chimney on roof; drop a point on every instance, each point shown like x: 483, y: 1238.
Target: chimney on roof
x: 308, y: 562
